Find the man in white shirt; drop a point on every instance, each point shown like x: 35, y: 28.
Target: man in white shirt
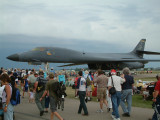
x: 116, y: 98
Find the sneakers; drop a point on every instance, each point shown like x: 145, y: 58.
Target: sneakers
x: 85, y: 114
x: 113, y: 116
x: 116, y: 119
x: 126, y: 114
x: 100, y: 111
x: 41, y: 113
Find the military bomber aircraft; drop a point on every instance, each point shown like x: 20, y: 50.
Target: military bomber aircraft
x: 104, y: 61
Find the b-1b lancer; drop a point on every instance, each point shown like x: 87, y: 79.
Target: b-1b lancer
x: 104, y: 61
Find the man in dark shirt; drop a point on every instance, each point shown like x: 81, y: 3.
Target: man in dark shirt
x: 127, y: 93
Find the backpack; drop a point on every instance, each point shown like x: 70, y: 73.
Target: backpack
x: 55, y: 86
x: 59, y: 89
x: 15, y: 98
x: 41, y: 84
x: 88, y: 82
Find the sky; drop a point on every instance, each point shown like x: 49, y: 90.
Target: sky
x: 91, y: 25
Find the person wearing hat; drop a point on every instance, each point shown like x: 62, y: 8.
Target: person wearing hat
x: 52, y: 96
x: 156, y: 98
x: 116, y: 98
x: 140, y: 85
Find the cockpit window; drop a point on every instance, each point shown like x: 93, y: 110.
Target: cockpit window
x: 38, y: 49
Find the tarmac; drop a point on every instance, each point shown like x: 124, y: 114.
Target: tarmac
x: 29, y: 111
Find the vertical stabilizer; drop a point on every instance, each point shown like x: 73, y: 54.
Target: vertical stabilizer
x: 140, y: 47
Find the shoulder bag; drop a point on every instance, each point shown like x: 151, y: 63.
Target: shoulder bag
x: 112, y: 90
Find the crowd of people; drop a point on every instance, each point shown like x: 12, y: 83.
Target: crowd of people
x: 38, y: 84
x: 125, y: 88
x: 103, y: 83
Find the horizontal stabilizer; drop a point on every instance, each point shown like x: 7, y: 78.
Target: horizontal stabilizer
x: 148, y: 52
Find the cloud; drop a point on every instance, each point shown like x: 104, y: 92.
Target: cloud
x: 100, y: 24
x: 90, y: 20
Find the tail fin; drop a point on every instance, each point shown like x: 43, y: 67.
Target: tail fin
x: 140, y: 47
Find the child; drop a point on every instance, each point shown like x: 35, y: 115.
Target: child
x: 25, y: 87
x: 31, y: 96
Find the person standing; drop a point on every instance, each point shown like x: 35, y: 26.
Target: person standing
x: 6, y: 96
x: 156, y: 98
x: 89, y: 88
x: 81, y: 86
x: 25, y: 87
x: 31, y: 80
x: 101, y: 81
x: 89, y: 80
x: 52, y: 96
x: 108, y: 96
x: 39, y: 88
x: 126, y: 94
x: 116, y: 98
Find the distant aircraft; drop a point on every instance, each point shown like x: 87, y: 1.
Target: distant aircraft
x: 104, y: 61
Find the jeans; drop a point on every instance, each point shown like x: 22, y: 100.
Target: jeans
x: 116, y: 99
x: 9, y: 114
x: 126, y: 95
x: 158, y: 108
x: 82, y: 105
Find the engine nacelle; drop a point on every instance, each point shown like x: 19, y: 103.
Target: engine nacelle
x: 104, y: 66
x: 116, y: 65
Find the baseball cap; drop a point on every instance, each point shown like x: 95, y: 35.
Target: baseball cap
x: 113, y: 71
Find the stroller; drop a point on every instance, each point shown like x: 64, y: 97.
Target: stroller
x: 156, y: 107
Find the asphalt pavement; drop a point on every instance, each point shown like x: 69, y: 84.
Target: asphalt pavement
x: 29, y: 111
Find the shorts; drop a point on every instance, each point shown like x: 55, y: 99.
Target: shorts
x: 89, y: 88
x: 101, y: 93
x: 53, y: 105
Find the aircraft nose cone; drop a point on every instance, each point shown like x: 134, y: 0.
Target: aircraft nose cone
x: 14, y: 57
